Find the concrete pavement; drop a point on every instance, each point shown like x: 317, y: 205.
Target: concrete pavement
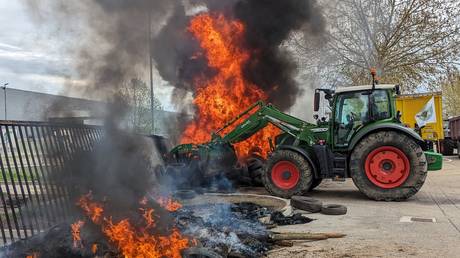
x: 374, y: 229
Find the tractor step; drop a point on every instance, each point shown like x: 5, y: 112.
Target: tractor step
x: 335, y: 169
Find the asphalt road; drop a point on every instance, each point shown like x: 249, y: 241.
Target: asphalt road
x: 377, y: 229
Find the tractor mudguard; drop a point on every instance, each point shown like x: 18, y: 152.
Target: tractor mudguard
x: 389, y: 127
x: 304, y: 153
x: 434, y: 160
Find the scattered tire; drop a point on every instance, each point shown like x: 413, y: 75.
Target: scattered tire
x: 287, y: 173
x: 315, y: 183
x: 334, y: 209
x: 199, y: 252
x: 306, y: 203
x: 185, y: 194
x: 388, y: 166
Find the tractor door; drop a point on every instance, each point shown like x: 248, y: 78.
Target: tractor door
x: 354, y: 110
x: 351, y: 112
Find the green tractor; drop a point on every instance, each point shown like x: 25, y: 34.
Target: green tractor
x: 364, y: 139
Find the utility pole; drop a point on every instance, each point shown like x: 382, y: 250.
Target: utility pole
x: 4, y: 95
x: 152, y: 95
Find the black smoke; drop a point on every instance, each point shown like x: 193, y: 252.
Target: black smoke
x: 269, y: 23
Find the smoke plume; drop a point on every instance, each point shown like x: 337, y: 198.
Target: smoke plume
x: 268, y: 24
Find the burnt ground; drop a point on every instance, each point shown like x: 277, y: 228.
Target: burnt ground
x: 374, y: 229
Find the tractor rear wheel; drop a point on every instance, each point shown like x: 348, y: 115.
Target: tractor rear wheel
x: 287, y: 173
x: 388, y: 166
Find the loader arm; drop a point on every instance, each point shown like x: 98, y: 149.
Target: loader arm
x: 261, y: 115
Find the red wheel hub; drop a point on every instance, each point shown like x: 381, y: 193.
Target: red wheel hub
x: 285, y: 175
x: 387, y: 167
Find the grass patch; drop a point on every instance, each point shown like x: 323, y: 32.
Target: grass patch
x: 16, y: 174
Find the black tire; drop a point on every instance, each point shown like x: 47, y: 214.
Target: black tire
x: 334, y: 209
x: 306, y: 203
x: 300, y: 163
x: 448, y: 146
x: 255, y: 165
x: 458, y: 149
x: 185, y: 194
x: 417, y: 166
x: 315, y: 183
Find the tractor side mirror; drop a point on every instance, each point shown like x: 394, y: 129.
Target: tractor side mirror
x: 316, y: 101
x: 398, y: 90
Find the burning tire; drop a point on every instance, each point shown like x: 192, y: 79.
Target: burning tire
x: 287, y: 174
x: 388, y: 166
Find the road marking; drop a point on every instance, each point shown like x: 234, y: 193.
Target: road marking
x: 410, y: 219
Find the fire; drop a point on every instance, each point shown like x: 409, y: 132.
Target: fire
x: 134, y: 240
x: 34, y: 255
x: 94, y: 248
x: 169, y: 204
x: 76, y: 228
x: 227, y: 94
x: 94, y: 210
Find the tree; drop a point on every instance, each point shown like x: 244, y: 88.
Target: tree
x: 410, y: 42
x: 451, y: 94
x: 137, y: 97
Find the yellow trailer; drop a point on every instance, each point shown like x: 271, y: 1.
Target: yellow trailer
x: 410, y: 105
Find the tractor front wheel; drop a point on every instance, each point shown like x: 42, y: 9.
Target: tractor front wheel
x: 287, y: 173
x: 388, y: 166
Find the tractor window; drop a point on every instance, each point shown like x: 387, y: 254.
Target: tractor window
x: 380, y: 105
x: 352, y: 111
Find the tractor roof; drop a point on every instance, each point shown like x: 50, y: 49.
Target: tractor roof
x: 365, y: 87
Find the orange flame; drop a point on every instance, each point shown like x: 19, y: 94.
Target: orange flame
x: 76, y: 228
x: 92, y: 209
x: 135, y: 241
x: 33, y: 255
x: 227, y: 94
x: 94, y: 248
x: 169, y: 204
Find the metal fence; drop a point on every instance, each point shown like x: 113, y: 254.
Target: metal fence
x: 32, y: 158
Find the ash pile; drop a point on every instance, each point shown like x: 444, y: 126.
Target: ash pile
x: 216, y: 230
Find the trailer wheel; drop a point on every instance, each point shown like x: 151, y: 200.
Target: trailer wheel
x: 458, y: 149
x: 287, y: 174
x: 388, y: 166
x: 448, y: 147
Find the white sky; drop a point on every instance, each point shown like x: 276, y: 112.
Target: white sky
x: 32, y: 59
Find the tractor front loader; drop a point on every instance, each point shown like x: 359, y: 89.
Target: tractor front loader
x: 364, y: 139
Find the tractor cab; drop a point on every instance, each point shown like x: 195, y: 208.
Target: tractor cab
x: 355, y: 108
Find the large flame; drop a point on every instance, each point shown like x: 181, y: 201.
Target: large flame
x: 224, y: 96
x: 133, y: 241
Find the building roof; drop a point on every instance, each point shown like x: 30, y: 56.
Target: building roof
x: 364, y: 87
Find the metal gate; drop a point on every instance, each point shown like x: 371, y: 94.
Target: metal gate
x: 32, y: 157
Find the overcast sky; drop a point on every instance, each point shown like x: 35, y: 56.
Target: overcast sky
x: 31, y: 58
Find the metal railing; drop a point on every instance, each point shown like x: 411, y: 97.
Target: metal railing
x: 32, y: 160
